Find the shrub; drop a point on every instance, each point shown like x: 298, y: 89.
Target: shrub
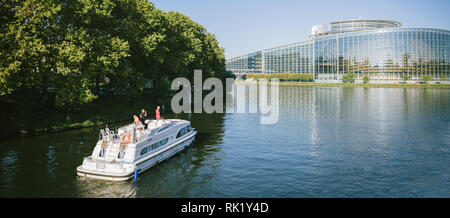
x: 87, y: 123
x: 348, y: 77
x: 366, y: 79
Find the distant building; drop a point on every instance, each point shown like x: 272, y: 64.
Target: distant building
x: 380, y: 49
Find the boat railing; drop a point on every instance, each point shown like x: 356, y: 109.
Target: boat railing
x: 102, y: 135
x: 112, y: 135
x: 107, y: 135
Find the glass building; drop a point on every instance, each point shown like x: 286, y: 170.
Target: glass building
x: 380, y: 49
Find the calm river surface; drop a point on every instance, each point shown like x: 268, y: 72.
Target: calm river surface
x: 328, y: 142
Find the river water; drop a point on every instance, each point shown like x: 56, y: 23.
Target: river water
x: 328, y: 142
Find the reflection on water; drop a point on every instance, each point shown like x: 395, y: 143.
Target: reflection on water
x: 89, y: 188
x: 8, y: 170
x: 328, y: 142
x: 191, y: 172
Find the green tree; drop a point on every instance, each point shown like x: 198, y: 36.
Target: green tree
x: 426, y: 79
x: 405, y: 78
x: 63, y: 45
x: 189, y: 46
x: 71, y: 46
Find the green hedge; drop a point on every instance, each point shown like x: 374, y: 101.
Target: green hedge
x: 303, y: 77
x: 348, y: 78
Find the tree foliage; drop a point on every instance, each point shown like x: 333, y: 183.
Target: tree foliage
x: 426, y: 79
x: 405, y: 78
x: 62, y: 50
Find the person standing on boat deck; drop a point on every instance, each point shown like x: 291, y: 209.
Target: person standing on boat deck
x: 158, y: 115
x: 143, y: 116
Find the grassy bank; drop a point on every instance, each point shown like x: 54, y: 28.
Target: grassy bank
x: 370, y: 85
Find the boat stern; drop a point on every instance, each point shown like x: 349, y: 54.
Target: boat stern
x: 101, y: 169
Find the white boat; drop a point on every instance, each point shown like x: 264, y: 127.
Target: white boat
x: 132, y: 149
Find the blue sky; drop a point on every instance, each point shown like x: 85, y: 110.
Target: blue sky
x: 244, y: 26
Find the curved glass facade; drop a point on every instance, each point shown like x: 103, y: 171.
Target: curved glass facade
x: 385, y: 54
x: 358, y: 25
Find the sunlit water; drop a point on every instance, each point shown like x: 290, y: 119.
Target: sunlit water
x: 328, y: 142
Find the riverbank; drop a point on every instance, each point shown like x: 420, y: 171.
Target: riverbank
x: 99, y: 113
x: 369, y: 85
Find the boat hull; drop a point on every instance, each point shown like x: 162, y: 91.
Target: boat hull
x: 123, y: 172
x: 98, y: 175
x: 145, y: 165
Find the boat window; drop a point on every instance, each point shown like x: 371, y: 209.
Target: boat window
x: 162, y: 129
x: 163, y: 142
x: 182, y: 132
x: 144, y: 151
x: 155, y: 145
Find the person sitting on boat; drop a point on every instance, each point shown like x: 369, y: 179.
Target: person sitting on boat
x: 136, y: 120
x: 143, y: 116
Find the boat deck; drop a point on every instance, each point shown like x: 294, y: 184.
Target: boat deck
x: 152, y: 127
